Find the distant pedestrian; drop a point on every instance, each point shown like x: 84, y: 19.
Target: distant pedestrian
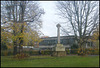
x: 39, y: 52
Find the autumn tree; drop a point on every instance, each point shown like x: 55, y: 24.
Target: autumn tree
x: 81, y: 18
x: 18, y: 13
x: 31, y: 37
x: 95, y: 37
x: 5, y: 39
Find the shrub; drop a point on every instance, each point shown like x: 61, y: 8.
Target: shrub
x: 35, y: 53
x: 91, y: 51
x: 42, y: 52
x: 68, y: 51
x: 74, y: 46
x: 31, y: 52
x: 2, y: 54
x: 10, y: 53
x: 5, y: 53
x: 74, y: 51
x: 4, y: 46
x: 47, y: 52
x: 81, y: 51
x: 96, y: 52
x: 21, y: 56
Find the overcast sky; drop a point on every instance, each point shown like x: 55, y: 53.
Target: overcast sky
x: 50, y: 18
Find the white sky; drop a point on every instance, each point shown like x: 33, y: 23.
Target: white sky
x: 50, y: 19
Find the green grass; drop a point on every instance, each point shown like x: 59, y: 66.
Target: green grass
x: 47, y: 61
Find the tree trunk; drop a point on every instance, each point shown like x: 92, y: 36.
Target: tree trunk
x: 20, y: 47
x: 15, y: 49
x: 15, y: 44
x: 21, y: 42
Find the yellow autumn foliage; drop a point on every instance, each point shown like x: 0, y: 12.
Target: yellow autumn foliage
x: 95, y: 38
x: 26, y: 36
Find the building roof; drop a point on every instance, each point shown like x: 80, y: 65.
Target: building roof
x: 61, y: 37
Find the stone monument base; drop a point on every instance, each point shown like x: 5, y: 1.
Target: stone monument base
x: 59, y: 47
x: 58, y: 53
x: 59, y: 50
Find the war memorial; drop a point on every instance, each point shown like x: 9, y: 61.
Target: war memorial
x: 65, y: 42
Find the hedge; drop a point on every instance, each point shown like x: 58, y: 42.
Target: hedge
x: 6, y: 53
x: 88, y: 51
x: 74, y: 51
x: 91, y: 51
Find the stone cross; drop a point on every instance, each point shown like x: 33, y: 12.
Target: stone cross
x: 58, y: 26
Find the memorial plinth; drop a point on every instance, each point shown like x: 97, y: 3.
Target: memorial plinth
x: 59, y: 49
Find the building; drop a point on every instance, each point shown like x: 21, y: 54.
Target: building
x: 50, y: 43
x: 67, y: 41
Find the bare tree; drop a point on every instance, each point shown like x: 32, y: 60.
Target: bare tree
x: 20, y: 12
x: 81, y: 16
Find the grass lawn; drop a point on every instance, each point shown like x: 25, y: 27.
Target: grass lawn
x: 47, y: 61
